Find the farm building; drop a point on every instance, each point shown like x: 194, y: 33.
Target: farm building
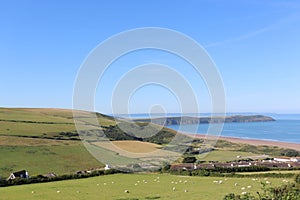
x: 19, y: 174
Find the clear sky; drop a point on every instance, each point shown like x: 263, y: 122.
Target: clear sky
x: 254, y: 43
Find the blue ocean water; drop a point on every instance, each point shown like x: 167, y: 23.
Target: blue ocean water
x: 281, y: 130
x: 286, y: 128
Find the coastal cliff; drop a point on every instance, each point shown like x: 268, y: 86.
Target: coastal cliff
x: 206, y: 120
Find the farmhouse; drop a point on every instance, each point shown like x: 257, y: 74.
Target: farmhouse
x: 19, y: 174
x: 50, y: 175
x: 107, y: 167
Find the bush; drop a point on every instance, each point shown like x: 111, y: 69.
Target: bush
x: 297, y: 178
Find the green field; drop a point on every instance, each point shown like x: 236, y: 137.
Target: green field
x: 225, y: 155
x: 140, y: 186
x: 60, y: 159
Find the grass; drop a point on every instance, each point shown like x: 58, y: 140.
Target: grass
x: 61, y: 159
x: 140, y: 186
x: 136, y: 146
x: 273, y: 171
x: 129, y: 146
x: 225, y: 155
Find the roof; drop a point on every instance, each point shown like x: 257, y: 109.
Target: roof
x: 19, y: 173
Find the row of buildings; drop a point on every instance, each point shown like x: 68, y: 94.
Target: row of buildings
x: 279, y: 163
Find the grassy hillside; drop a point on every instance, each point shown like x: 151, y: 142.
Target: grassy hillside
x: 140, y: 187
x: 46, y: 140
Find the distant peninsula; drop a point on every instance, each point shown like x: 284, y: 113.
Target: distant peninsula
x: 207, y: 120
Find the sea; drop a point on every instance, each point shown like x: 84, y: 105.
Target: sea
x: 286, y: 128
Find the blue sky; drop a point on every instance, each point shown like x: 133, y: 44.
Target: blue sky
x: 254, y: 43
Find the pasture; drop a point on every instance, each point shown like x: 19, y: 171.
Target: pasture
x: 139, y: 186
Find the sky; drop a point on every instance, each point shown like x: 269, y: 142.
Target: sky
x: 254, y: 44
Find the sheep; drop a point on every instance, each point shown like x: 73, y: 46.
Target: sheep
x: 243, y: 193
x: 136, y: 184
x: 98, y: 184
x: 185, y: 190
x: 58, y: 191
x: 32, y: 192
x: 103, y: 184
x: 235, y: 184
x: 78, y: 191
x: 249, y: 186
x: 220, y: 182
x: 268, y: 182
x: 173, y: 188
x: 112, y: 182
x: 126, y: 191
x: 216, y: 181
x: 243, y: 188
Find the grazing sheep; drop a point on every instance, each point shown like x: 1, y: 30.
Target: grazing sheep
x: 216, y: 181
x: 136, y: 184
x: 220, y: 182
x: 173, y: 188
x: 243, y: 193
x: 185, y: 190
x: 112, y: 182
x: 268, y: 182
x: 32, y: 192
x: 103, y: 184
x: 57, y: 191
x: 236, y: 184
x: 126, y: 191
x: 249, y: 186
x: 243, y: 188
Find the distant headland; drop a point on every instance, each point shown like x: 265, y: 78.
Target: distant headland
x: 206, y: 120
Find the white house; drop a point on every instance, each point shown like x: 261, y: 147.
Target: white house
x: 107, y: 167
x: 19, y: 174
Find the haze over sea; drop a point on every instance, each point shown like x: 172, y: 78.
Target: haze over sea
x: 286, y: 128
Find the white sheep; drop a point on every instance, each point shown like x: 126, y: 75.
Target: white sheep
x: 173, y: 188
x: 236, y: 184
x: 126, y: 191
x: 58, y: 191
x: 249, y: 186
x: 243, y: 188
x: 185, y: 190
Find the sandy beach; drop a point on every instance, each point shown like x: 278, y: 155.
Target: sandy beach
x: 255, y: 142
